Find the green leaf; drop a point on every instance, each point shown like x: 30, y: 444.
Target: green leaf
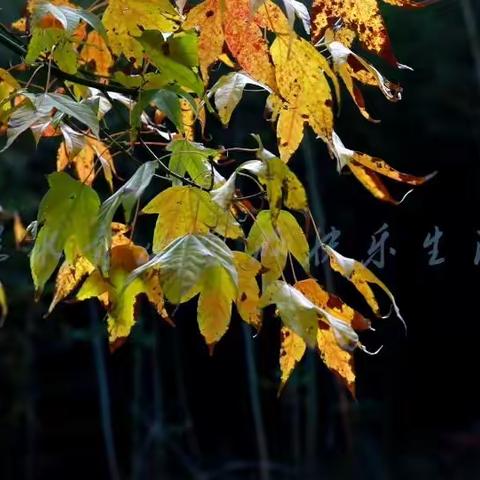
x: 165, y: 100
x: 82, y: 112
x: 183, y: 48
x: 67, y: 214
x: 127, y: 196
x: 48, y: 40
x: 66, y: 56
x: 193, y: 158
x: 173, y: 58
x: 169, y: 103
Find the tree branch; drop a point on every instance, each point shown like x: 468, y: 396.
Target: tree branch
x: 10, y: 41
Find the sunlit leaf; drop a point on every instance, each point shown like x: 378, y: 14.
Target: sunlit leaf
x: 67, y: 214
x: 96, y: 55
x: 182, y: 210
x: 296, y: 311
x: 228, y: 92
x: 367, y: 170
x: 292, y: 350
x: 283, y: 186
x: 174, y: 57
x: 127, y: 19
x: 274, y: 243
x: 127, y: 196
x: 301, y: 77
x: 196, y: 160
x: 361, y: 16
x: 361, y: 277
x: 198, y: 264
x: 118, y: 295
x: 248, y: 301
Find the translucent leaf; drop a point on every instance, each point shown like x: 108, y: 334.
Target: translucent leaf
x: 361, y: 277
x: 296, y: 311
x: 67, y: 214
x: 127, y: 19
x: 183, y: 262
x: 292, y: 350
x: 361, y: 16
x: 194, y: 159
x: 301, y: 77
x: 228, y: 92
x: 68, y: 278
x: 283, y: 186
x: 69, y: 17
x: 96, y: 55
x: 182, y: 210
x: 118, y: 295
x: 218, y: 291
x: 174, y: 57
x: 248, y: 301
x: 367, y: 170
x: 56, y: 41
x: 127, y: 196
x: 275, y: 243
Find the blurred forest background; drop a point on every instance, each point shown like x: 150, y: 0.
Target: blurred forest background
x: 161, y: 408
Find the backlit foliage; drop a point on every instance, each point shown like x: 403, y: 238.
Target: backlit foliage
x: 170, y: 70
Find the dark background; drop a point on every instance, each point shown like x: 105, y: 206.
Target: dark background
x: 162, y: 408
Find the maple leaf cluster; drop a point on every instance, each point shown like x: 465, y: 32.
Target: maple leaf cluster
x: 214, y: 239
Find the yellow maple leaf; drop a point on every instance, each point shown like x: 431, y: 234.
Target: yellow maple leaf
x: 20, y: 233
x: 198, y: 264
x: 182, y: 210
x: 217, y: 292
x: 334, y: 352
x: 274, y: 243
x: 118, y: 295
x: 361, y: 277
x: 362, y: 17
x: 248, y: 299
x: 84, y: 161
x: 246, y: 42
x: 68, y: 278
x: 301, y: 78
x: 350, y: 67
x: 367, y: 170
x: 188, y: 120
x: 96, y: 54
x: 292, y: 349
x: 70, y: 275
x: 337, y: 359
x: 126, y: 19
